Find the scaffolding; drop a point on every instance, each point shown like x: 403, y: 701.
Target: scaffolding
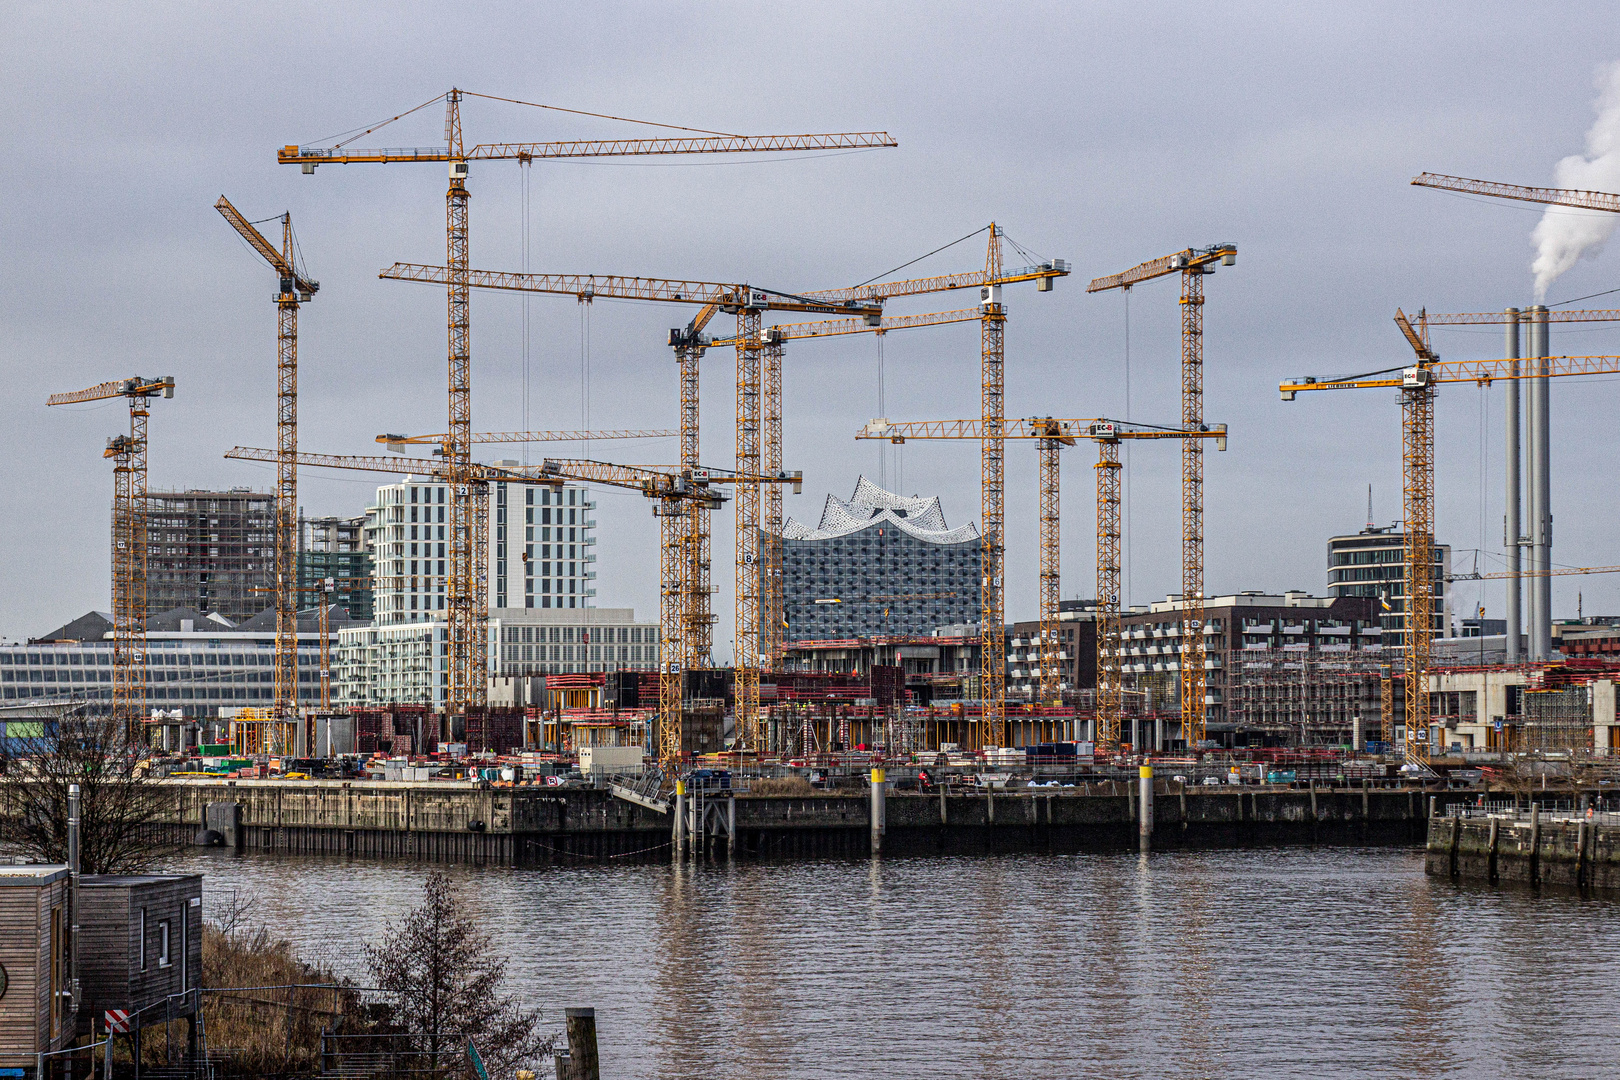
x: 1304, y: 697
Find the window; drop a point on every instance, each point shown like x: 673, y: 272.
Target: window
x: 57, y: 996
x: 163, y: 943
x: 143, y: 939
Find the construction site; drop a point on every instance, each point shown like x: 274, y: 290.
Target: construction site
x: 1213, y: 689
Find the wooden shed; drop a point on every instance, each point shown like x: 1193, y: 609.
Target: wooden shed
x: 35, y: 1003
x: 140, y: 946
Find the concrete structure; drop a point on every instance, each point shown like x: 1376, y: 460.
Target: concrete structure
x: 461, y: 821
x: 539, y: 549
x: 405, y: 663
x: 333, y: 547
x: 1538, y: 471
x: 196, y: 664
x: 877, y: 565
x: 1329, y: 636
x: 1511, y: 535
x: 1556, y: 708
x: 35, y: 1009
x: 1372, y: 563
x: 210, y: 551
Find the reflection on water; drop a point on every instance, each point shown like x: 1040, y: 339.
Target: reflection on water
x: 1276, y: 963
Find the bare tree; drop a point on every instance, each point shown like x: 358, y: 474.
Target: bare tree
x: 449, y: 981
x: 119, y: 801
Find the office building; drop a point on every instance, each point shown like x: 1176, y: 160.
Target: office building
x: 406, y: 663
x: 196, y: 664
x: 210, y: 551
x: 540, y: 543
x: 1372, y: 563
x: 878, y: 565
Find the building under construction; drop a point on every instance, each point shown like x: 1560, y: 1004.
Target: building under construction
x: 335, y: 547
x: 210, y: 551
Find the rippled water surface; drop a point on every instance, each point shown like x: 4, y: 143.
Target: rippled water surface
x: 1264, y: 963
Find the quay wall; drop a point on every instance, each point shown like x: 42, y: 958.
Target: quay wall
x: 1549, y: 848
x: 468, y: 823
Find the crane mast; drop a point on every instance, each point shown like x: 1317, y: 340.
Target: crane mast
x: 1051, y: 436
x: 1417, y: 386
x: 1193, y: 264
x: 293, y: 287
x: 128, y: 454
x: 467, y: 606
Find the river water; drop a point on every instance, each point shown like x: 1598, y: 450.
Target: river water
x: 1288, y: 962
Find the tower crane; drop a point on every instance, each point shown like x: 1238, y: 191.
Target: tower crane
x: 396, y: 443
x: 1585, y: 200
x: 128, y: 454
x: 1539, y: 539
x: 748, y: 304
x: 1417, y: 385
x: 293, y: 288
x: 671, y: 487
x: 1051, y: 435
x: 466, y: 586
x: 1193, y: 264
x: 992, y: 503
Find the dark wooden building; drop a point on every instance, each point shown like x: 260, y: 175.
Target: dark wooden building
x: 35, y: 1005
x: 140, y: 946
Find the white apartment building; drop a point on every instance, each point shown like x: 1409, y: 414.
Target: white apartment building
x: 540, y: 549
x: 406, y: 663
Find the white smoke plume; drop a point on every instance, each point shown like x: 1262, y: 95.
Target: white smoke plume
x: 1565, y: 234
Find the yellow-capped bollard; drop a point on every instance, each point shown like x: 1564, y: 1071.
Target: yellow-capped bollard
x: 680, y: 819
x: 1144, y: 827
x: 879, y: 819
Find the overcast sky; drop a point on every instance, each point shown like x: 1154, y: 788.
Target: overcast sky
x: 1106, y: 134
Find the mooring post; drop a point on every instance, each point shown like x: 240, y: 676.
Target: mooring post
x: 1535, y: 843
x: 731, y: 826
x: 1144, y: 829
x: 579, y: 1061
x: 1490, y: 861
x: 879, y: 821
x: 680, y: 818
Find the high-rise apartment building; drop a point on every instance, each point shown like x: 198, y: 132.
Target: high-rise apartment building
x: 540, y: 543
x: 335, y: 547
x: 1372, y: 563
x: 210, y: 551
x: 879, y: 564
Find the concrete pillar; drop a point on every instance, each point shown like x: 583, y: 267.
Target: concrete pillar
x: 1512, y: 529
x: 879, y: 814
x: 1144, y: 817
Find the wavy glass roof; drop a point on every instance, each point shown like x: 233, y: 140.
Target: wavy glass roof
x: 871, y: 507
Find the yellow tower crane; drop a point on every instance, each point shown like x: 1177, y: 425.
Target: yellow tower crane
x: 1051, y: 435
x: 128, y: 453
x: 1417, y: 385
x: 396, y: 443
x: 466, y: 587
x: 293, y: 288
x: 671, y: 486
x: 1193, y: 264
x: 992, y: 485
x: 748, y: 304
